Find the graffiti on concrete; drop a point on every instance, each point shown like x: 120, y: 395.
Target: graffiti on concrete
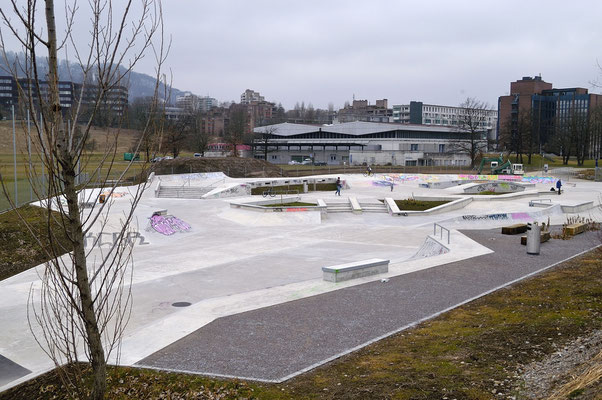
x: 489, y: 217
x: 497, y: 187
x: 109, y: 239
x: 168, y: 224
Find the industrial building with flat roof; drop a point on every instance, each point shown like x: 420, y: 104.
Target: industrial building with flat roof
x: 362, y: 142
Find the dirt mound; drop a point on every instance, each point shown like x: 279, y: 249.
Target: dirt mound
x: 235, y: 167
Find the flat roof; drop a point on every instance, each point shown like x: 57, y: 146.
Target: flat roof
x: 356, y: 128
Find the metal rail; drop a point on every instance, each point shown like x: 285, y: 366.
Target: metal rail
x: 441, y: 229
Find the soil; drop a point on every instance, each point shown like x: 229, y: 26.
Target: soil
x: 417, y: 205
x: 234, y: 167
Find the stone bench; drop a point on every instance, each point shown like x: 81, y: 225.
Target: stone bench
x: 514, y: 229
x: 544, y: 237
x: 357, y: 269
x: 540, y: 203
x: 575, y: 229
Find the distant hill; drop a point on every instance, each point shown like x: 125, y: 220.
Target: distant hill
x: 139, y: 85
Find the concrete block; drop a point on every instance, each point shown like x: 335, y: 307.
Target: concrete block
x: 514, y: 229
x: 575, y: 229
x: 358, y: 269
x: 355, y: 205
x: 392, y: 206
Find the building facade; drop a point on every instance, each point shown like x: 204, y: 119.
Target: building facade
x: 249, y: 96
x: 193, y: 103
x: 361, y: 110
x: 356, y: 143
x: 431, y: 114
x: 114, y: 101
x: 548, y: 111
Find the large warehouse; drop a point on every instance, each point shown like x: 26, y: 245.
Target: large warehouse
x: 356, y: 143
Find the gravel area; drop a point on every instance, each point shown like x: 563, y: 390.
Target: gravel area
x: 542, y: 377
x: 278, y: 342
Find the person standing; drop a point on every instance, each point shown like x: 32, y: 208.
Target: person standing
x: 338, y: 186
x: 558, y: 186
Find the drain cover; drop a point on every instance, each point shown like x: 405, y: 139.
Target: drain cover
x: 181, y: 304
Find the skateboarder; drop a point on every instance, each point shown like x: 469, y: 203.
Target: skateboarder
x: 558, y: 186
x: 338, y: 187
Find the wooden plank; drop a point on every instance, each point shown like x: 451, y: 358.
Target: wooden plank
x: 575, y: 229
x: 514, y: 229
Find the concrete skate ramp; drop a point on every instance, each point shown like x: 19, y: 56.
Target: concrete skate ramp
x: 489, y: 221
x: 199, y: 177
x: 494, y: 186
x: 230, y: 190
x: 431, y: 247
x: 244, y: 217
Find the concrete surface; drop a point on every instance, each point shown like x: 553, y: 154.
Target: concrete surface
x: 234, y: 261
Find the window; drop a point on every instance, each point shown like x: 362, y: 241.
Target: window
x: 441, y: 148
x: 414, y: 147
x: 333, y: 157
x: 274, y: 157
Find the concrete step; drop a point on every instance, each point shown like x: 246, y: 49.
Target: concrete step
x: 186, y: 192
x: 338, y: 207
x: 374, y: 207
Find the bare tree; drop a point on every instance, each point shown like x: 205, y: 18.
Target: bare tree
x: 472, y: 133
x: 266, y: 135
x: 177, y: 133
x: 84, y: 301
x: 199, y: 135
x: 236, y: 129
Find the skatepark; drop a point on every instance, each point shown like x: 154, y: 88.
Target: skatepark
x: 230, y: 284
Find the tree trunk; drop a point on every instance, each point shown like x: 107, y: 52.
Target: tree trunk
x: 97, y: 356
x: 74, y: 224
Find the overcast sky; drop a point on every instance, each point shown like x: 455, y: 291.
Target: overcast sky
x: 329, y: 51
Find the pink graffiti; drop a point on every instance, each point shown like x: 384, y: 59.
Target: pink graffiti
x: 168, y: 225
x: 522, y: 216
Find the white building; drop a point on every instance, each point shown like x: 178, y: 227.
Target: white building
x: 430, y: 114
x: 363, y: 142
x: 193, y: 103
x: 250, y: 96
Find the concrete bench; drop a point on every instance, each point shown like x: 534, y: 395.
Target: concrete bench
x: 540, y: 203
x: 544, y: 237
x: 575, y: 229
x: 514, y: 229
x: 358, y: 269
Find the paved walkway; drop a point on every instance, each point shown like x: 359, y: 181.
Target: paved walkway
x: 276, y: 343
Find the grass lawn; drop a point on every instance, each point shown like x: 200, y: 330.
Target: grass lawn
x: 23, y: 185
x: 417, y: 205
x: 19, y: 250
x: 487, y: 193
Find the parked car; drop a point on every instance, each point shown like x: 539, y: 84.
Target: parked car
x: 307, y: 161
x: 293, y: 162
x: 197, y: 155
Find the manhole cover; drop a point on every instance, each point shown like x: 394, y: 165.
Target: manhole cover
x: 181, y: 304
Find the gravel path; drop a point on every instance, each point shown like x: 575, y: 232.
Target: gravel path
x: 278, y: 342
